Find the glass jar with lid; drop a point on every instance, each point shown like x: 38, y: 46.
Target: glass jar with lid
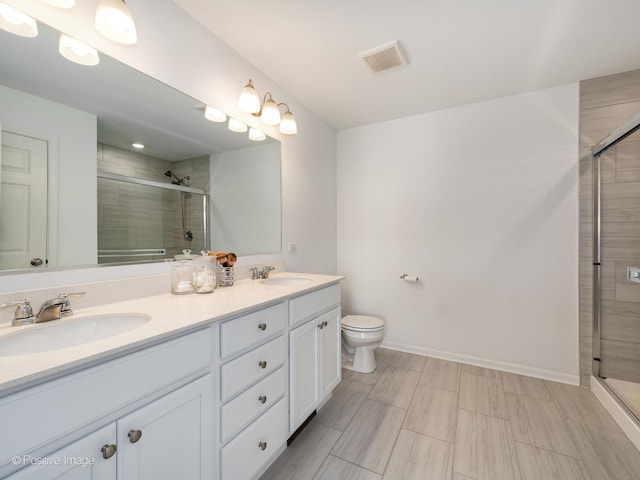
x: 204, y: 277
x: 182, y: 274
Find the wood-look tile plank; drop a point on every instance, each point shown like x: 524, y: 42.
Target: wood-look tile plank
x: 539, y: 423
x: 533, y: 387
x: 537, y: 464
x: 418, y: 457
x: 408, y: 361
x: 343, y: 404
x: 484, y: 448
x: 459, y: 476
x: 606, y: 454
x: 395, y: 387
x: 305, y: 455
x: 441, y: 374
x: 335, y: 468
x: 578, y: 404
x: 366, y: 378
x: 371, y: 435
x: 433, y: 412
x: 482, y: 395
x: 485, y: 372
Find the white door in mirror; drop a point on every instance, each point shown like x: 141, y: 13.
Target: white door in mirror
x: 23, y: 202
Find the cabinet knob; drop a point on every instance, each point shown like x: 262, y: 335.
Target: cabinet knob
x: 262, y: 399
x: 321, y: 325
x: 325, y: 323
x: 262, y: 445
x: 134, y: 435
x: 108, y: 451
x: 262, y: 326
x: 262, y: 364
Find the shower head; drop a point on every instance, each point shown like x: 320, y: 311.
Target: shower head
x: 168, y: 173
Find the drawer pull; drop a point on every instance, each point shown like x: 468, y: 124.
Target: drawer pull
x: 134, y: 435
x: 262, y: 326
x: 108, y: 451
x: 262, y: 364
x: 262, y: 399
x: 262, y: 445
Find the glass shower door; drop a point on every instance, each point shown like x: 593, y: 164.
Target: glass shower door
x: 618, y: 288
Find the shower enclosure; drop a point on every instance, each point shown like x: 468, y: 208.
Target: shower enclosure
x: 142, y: 220
x: 616, y: 264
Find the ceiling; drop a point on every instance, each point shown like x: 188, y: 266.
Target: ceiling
x: 460, y: 51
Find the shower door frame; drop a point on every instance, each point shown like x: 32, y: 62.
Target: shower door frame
x: 615, y: 137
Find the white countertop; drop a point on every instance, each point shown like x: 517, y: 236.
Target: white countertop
x: 170, y: 315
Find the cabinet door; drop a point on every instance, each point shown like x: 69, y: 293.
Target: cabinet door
x: 330, y: 351
x: 171, y: 437
x: 304, y: 362
x: 81, y: 460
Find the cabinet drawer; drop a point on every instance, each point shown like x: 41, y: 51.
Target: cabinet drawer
x: 248, y: 369
x: 307, y: 306
x: 243, y: 457
x: 248, y: 405
x: 42, y: 414
x: 241, y: 333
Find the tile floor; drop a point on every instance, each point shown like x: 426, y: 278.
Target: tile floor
x: 422, y: 418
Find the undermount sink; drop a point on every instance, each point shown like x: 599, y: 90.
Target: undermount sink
x: 285, y: 281
x: 69, y: 333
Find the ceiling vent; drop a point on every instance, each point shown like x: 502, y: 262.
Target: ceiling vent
x: 385, y: 57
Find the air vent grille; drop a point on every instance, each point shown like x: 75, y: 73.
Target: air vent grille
x: 385, y: 57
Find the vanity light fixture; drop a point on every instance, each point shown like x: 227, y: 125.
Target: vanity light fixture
x: 77, y: 52
x: 214, y: 115
x: 236, y: 125
x: 268, y: 111
x: 256, y: 135
x: 16, y: 22
x: 60, y: 3
x: 137, y: 145
x: 114, y: 21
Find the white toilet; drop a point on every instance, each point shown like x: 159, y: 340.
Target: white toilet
x: 361, y: 335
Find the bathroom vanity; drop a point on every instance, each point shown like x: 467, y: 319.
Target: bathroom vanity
x: 211, y: 387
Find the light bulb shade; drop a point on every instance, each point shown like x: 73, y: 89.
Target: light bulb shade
x: 214, y: 115
x: 60, y: 3
x: 256, y: 135
x: 16, y: 22
x: 288, y: 124
x: 249, y: 101
x: 114, y: 21
x: 236, y: 125
x: 77, y: 52
x: 270, y: 113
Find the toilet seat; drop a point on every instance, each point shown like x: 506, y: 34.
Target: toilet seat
x: 361, y: 323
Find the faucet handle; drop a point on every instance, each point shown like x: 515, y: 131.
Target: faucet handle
x: 254, y: 273
x: 66, y: 305
x: 24, y: 312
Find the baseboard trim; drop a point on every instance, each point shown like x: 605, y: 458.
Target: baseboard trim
x: 552, y: 375
x: 621, y: 417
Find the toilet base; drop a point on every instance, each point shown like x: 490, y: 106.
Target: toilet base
x: 363, y: 361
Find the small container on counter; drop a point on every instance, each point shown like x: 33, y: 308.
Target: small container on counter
x: 182, y: 274
x: 204, y: 277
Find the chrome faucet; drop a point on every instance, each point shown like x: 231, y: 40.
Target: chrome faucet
x: 50, y: 310
x: 264, y: 273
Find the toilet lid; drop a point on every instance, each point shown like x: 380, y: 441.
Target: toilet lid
x: 361, y: 322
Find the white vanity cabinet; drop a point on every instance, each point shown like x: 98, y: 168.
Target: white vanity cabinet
x: 146, y: 415
x: 314, y: 352
x: 253, y: 388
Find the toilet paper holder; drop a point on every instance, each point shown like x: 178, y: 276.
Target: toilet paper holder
x: 409, y: 278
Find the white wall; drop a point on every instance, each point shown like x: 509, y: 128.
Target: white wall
x: 171, y: 43
x: 72, y: 145
x: 480, y: 202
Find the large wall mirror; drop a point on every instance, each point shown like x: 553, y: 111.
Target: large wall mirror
x: 74, y: 191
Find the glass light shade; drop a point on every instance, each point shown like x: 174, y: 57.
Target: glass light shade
x: 236, y: 125
x: 256, y: 135
x: 139, y: 146
x: 77, y: 52
x: 288, y: 124
x: 16, y: 22
x: 60, y: 3
x: 214, y: 115
x: 249, y: 101
x: 114, y: 21
x: 270, y: 113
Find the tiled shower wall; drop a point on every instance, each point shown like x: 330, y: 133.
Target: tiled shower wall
x: 605, y: 104
x: 132, y: 216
